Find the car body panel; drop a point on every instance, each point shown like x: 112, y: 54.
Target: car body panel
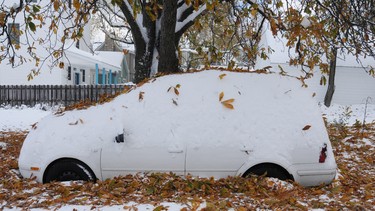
x: 124, y: 158
x: 273, y: 120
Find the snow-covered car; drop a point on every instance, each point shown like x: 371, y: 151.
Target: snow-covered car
x: 209, y: 123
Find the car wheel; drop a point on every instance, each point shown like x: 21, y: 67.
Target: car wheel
x: 269, y: 170
x: 68, y: 170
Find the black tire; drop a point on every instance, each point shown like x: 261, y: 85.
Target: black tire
x: 68, y: 170
x: 269, y: 170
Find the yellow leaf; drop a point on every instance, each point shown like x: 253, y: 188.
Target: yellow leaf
x: 178, y: 86
x: 61, y: 65
x: 229, y: 101
x: 221, y: 96
x: 254, y: 12
x: 222, y: 76
x: 76, y: 4
x: 227, y: 105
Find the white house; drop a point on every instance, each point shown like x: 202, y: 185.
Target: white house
x: 123, y: 55
x: 81, y: 65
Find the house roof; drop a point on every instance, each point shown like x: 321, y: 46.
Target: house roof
x: 78, y: 57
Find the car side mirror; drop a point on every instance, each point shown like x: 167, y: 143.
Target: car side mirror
x: 119, y: 138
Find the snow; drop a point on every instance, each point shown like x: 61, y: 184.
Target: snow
x: 21, y: 118
x: 349, y: 114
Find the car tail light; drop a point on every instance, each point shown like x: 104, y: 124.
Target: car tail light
x: 323, y: 154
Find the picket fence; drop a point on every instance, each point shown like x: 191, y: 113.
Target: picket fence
x: 54, y: 94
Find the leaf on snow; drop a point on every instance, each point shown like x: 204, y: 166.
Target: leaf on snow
x: 222, y: 76
x: 229, y: 101
x: 176, y: 91
x: 306, y: 127
x: 227, y: 105
x: 140, y: 97
x: 221, y: 95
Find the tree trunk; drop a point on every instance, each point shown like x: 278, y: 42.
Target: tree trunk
x: 331, y: 79
x: 144, y: 49
x: 168, y: 58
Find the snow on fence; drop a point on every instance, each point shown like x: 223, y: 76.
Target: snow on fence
x: 54, y: 94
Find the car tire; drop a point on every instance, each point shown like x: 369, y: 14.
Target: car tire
x: 269, y: 170
x: 68, y: 170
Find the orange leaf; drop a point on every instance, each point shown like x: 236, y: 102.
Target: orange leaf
x: 176, y: 91
x: 229, y: 101
x: 227, y: 105
x: 221, y: 95
x: 222, y: 76
x: 306, y: 127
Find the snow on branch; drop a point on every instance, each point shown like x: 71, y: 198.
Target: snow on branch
x: 190, y: 18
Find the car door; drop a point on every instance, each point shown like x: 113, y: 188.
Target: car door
x: 216, y: 159
x: 130, y: 157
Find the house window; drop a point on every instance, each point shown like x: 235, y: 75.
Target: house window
x: 77, y: 44
x: 14, y: 32
x: 34, y: 1
x: 69, y: 73
x: 83, y: 75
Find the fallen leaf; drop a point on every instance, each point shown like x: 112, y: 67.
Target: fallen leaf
x: 221, y: 95
x: 228, y: 105
x: 222, y: 76
x: 229, y: 101
x: 176, y: 91
x: 306, y: 127
x: 140, y: 97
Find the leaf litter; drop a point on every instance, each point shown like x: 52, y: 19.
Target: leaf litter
x: 353, y: 189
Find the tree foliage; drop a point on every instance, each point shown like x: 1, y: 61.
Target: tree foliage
x: 219, y: 29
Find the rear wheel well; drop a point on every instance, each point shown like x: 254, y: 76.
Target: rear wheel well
x: 269, y: 170
x: 89, y: 172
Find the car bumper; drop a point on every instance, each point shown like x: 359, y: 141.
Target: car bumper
x: 314, y: 174
x: 29, y: 174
